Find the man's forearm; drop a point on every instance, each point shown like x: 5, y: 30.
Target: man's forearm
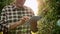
x: 14, y: 25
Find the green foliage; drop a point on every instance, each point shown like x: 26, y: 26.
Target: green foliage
x: 47, y: 25
x: 4, y: 3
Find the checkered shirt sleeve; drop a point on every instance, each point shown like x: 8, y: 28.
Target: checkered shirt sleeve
x: 3, y: 24
x: 11, y: 15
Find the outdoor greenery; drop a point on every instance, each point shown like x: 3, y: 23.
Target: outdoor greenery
x: 4, y: 3
x: 50, y: 12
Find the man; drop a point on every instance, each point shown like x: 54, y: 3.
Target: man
x: 15, y: 17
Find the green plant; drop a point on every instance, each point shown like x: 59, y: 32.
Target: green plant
x: 49, y: 13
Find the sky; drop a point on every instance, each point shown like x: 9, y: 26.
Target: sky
x: 33, y: 5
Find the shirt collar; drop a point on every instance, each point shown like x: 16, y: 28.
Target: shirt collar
x: 21, y: 8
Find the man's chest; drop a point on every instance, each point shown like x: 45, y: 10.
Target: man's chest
x: 13, y: 16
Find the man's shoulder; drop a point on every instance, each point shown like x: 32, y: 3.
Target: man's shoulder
x: 8, y: 6
x: 29, y: 9
x: 26, y: 7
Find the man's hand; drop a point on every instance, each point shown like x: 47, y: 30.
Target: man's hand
x: 33, y: 23
x: 24, y: 19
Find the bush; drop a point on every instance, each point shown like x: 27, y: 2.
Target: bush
x: 49, y: 10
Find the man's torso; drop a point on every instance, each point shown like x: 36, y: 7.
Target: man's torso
x: 13, y: 15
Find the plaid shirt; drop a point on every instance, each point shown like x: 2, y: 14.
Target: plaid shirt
x: 10, y: 14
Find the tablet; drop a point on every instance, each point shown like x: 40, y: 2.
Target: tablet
x: 34, y: 18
